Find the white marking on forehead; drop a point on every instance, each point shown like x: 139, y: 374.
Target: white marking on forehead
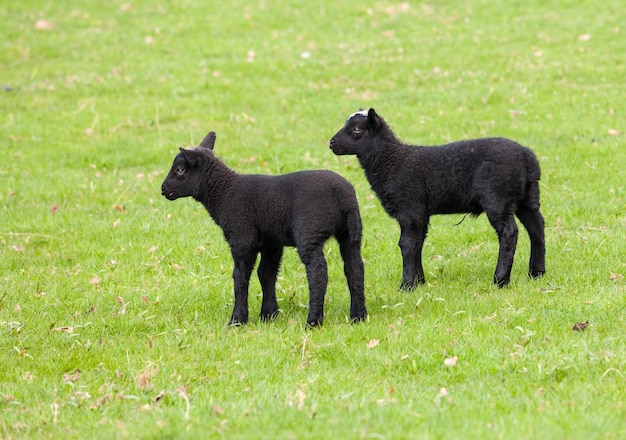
x: 360, y: 112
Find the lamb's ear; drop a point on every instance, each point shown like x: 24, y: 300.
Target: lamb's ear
x: 190, y: 156
x: 208, y: 141
x: 373, y: 120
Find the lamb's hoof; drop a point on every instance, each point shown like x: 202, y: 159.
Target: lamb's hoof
x: 268, y: 317
x: 314, y: 323
x: 501, y: 282
x: 358, y: 318
x: 234, y: 322
x: 536, y: 273
x: 407, y: 286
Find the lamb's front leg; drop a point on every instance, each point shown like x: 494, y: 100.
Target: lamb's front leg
x: 267, y: 272
x: 241, y: 278
x: 317, y: 276
x: 411, y: 244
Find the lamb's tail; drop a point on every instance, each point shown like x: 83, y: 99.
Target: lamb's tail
x: 348, y: 203
x: 534, y: 174
x: 355, y: 226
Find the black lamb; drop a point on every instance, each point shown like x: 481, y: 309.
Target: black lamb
x: 262, y: 214
x: 493, y: 175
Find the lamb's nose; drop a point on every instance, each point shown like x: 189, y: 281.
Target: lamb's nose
x: 332, y: 141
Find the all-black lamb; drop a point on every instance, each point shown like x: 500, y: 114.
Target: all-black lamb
x: 262, y: 214
x: 493, y: 175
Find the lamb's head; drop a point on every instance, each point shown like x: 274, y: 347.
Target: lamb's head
x: 356, y: 136
x: 185, y: 176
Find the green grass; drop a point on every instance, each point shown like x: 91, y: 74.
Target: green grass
x: 114, y: 301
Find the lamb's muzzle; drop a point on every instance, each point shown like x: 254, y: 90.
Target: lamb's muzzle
x: 166, y: 193
x: 335, y: 147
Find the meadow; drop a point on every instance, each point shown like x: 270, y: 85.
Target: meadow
x: 114, y: 301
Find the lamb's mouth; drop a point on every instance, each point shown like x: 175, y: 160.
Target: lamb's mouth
x: 169, y: 195
x: 335, y: 149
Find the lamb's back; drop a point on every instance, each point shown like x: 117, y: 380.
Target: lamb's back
x: 275, y: 206
x: 450, y: 178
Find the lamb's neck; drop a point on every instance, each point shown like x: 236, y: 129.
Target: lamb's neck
x: 381, y: 165
x: 218, y: 179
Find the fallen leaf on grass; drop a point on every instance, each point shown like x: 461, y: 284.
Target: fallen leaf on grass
x: 159, y: 397
x: 442, y: 396
x: 65, y: 328
x: 101, y: 401
x: 28, y: 376
x: 301, y: 398
x: 613, y: 132
x: 615, y: 276
x: 451, y: 362
x: 143, y: 378
x: 183, y: 392
x: 387, y: 401
x: 82, y: 395
x: 373, y: 343
x: 72, y: 377
x: 43, y: 25
x: 580, y: 326
x: 490, y: 317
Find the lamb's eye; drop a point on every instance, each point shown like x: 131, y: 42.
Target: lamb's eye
x: 180, y: 171
x: 356, y: 130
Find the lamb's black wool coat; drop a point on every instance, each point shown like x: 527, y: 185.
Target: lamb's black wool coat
x: 494, y: 175
x: 262, y: 214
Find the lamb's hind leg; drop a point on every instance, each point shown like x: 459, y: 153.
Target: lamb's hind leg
x: 506, y: 228
x: 534, y: 223
x: 267, y: 272
x: 354, y: 271
x: 411, y: 242
x: 317, y: 275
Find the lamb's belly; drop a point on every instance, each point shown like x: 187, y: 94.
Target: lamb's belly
x: 273, y: 240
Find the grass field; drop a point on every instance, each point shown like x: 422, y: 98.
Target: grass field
x: 114, y: 301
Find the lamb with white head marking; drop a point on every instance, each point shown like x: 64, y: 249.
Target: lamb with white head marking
x: 262, y: 214
x: 496, y: 176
